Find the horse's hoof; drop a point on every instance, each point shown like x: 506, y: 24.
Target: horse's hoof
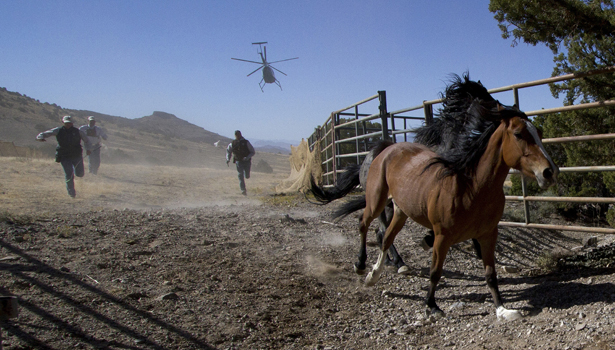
x: 358, y: 270
x: 404, y: 270
x: 371, y: 279
x: 507, y: 315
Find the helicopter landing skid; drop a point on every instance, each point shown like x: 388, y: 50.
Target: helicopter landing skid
x: 262, y: 85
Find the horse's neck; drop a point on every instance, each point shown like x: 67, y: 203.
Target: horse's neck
x: 491, y: 171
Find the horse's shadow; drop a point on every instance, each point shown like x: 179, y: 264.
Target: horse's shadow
x: 555, y: 291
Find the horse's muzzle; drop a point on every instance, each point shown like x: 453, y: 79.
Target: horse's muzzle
x: 547, y: 177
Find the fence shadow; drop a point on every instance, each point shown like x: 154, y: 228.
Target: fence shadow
x: 45, y: 278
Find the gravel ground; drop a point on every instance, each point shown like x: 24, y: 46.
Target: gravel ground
x: 265, y: 276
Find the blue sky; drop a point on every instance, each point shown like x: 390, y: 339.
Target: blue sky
x: 130, y: 58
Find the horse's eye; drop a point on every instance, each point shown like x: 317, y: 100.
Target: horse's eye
x: 518, y: 135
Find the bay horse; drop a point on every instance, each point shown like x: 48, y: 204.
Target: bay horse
x: 458, y: 193
x: 354, y: 176
x: 440, y: 136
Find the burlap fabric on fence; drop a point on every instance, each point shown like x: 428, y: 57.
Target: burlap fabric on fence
x: 303, y: 165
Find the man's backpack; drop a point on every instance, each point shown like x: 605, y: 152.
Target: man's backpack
x: 240, y: 149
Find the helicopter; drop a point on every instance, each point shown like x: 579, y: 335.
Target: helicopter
x: 268, y: 76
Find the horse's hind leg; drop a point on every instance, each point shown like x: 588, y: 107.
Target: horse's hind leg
x: 428, y: 240
x: 392, y: 258
x: 397, y: 223
x: 359, y: 266
x: 488, y: 253
x: 376, y: 199
x: 477, y: 249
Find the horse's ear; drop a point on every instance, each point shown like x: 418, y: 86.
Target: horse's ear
x: 502, y: 107
x: 504, y: 111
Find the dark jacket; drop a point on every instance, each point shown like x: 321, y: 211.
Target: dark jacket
x: 69, y: 141
x: 239, y: 150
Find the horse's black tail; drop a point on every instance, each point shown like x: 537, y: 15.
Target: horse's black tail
x: 349, y: 179
x: 349, y: 208
x: 346, y: 182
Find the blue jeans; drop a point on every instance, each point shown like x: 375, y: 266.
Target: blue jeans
x: 72, y: 167
x: 243, y: 171
x: 94, y: 161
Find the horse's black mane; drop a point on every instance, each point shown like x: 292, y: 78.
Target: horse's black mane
x: 456, y: 135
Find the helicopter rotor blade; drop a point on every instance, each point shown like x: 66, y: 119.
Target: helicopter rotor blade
x: 239, y: 59
x: 288, y: 59
x: 277, y: 70
x: 265, y: 53
x: 257, y: 69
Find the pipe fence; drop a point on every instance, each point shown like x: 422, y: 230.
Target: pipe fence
x: 347, y: 136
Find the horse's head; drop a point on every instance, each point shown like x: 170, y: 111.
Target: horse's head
x: 522, y: 148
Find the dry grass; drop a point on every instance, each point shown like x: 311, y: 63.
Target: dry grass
x: 37, y: 186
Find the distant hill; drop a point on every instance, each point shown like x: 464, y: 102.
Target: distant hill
x: 168, y: 124
x: 272, y: 146
x: 160, y: 138
x: 272, y: 149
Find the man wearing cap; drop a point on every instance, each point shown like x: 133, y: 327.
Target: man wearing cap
x: 242, y: 152
x: 92, y: 147
x: 68, y: 150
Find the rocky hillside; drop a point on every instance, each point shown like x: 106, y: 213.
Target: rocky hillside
x: 160, y: 138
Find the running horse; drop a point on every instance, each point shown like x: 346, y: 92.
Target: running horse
x: 440, y: 136
x: 457, y: 193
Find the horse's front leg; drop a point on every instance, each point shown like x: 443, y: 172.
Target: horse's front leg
x: 488, y: 251
x: 440, y: 249
x: 397, y: 223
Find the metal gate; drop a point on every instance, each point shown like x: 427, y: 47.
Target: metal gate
x: 347, y: 135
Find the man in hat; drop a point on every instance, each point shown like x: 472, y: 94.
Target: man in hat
x: 68, y: 150
x: 241, y: 151
x: 92, y: 147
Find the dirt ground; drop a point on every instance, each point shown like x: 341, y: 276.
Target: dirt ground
x: 177, y: 258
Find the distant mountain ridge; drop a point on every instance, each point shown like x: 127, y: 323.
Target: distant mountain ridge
x: 23, y: 117
x: 169, y: 124
x: 159, y: 138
